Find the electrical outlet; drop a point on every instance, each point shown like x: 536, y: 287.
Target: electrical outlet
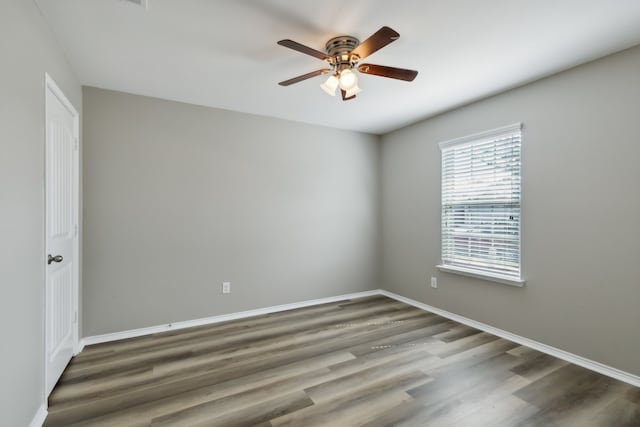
x: 226, y: 287
x: 434, y: 282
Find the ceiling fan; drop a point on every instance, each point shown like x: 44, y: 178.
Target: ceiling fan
x: 343, y: 56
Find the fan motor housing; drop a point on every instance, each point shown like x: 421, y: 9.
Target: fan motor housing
x: 340, y: 47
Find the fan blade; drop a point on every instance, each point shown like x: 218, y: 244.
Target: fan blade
x: 344, y: 95
x: 391, y: 72
x: 377, y: 41
x: 304, y: 77
x: 303, y: 49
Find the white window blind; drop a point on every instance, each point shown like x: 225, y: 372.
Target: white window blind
x: 481, y: 203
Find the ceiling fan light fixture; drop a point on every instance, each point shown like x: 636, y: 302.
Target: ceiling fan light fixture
x: 348, y: 80
x: 330, y: 85
x: 343, y: 54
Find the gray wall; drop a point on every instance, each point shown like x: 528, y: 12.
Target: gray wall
x: 179, y: 198
x: 27, y: 50
x: 581, y: 206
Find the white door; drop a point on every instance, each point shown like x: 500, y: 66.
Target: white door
x: 61, y: 232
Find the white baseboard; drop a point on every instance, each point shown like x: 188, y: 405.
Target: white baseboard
x: 544, y: 348
x: 556, y: 352
x: 39, y: 417
x: 97, y: 339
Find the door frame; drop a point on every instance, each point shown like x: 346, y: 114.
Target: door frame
x: 51, y: 88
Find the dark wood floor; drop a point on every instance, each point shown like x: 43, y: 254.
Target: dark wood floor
x: 371, y: 361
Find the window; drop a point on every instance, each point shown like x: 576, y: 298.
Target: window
x: 481, y: 205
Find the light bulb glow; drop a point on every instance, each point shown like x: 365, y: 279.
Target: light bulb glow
x: 330, y: 85
x: 348, y: 80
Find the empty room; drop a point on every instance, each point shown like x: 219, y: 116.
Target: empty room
x: 320, y: 213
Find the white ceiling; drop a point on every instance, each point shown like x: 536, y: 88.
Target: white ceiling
x: 223, y: 53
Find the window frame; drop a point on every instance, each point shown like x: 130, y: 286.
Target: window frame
x: 476, y: 138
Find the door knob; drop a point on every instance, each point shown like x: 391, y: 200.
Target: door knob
x: 51, y: 258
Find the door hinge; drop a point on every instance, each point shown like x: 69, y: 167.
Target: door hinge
x: 76, y: 144
x: 75, y: 317
x: 75, y: 230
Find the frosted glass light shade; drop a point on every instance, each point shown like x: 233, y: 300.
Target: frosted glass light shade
x: 330, y: 85
x: 348, y: 80
x: 353, y: 91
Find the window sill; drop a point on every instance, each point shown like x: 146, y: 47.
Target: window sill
x: 471, y: 273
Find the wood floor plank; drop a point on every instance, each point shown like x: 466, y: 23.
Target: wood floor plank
x: 207, y: 411
x: 247, y: 416
x: 357, y: 410
x: 369, y: 361
x: 370, y: 378
x: 407, y: 413
x: 577, y: 394
x: 633, y: 395
x: 536, y: 365
x: 464, y: 342
x: 618, y: 413
x: 565, y: 386
x: 457, y: 332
